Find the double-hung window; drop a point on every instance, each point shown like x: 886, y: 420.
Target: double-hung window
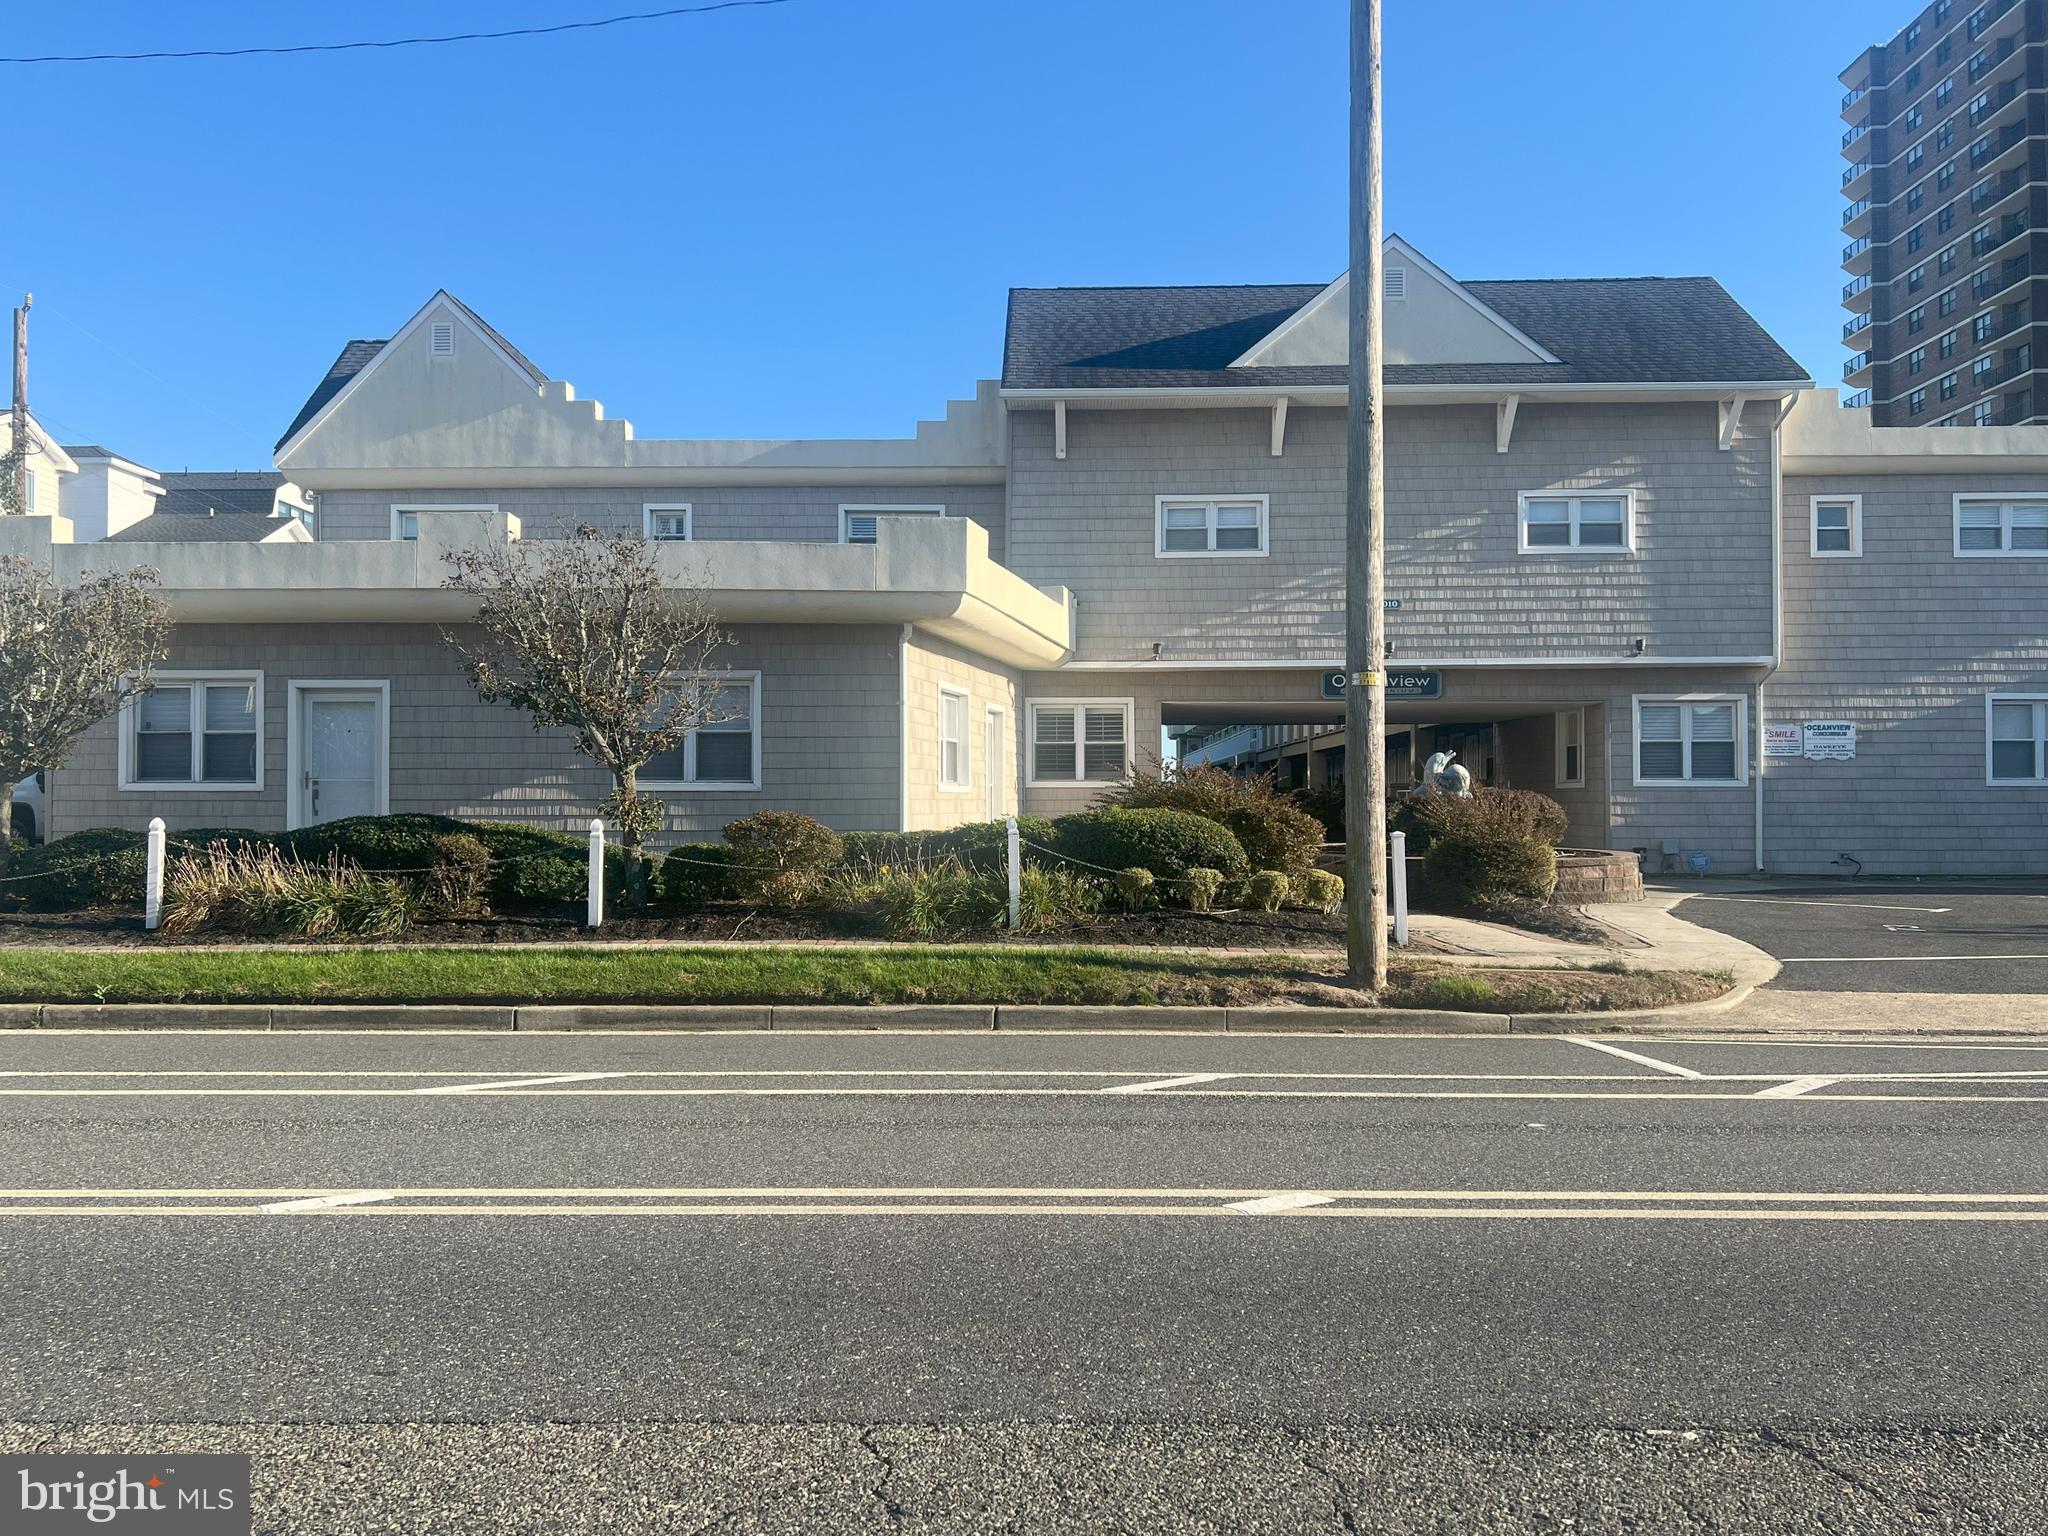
x: 665, y: 522
x: 724, y: 752
x: 2016, y: 738
x: 1080, y: 741
x: 857, y: 524
x: 954, y: 772
x: 1837, y: 527
x: 1571, y: 748
x: 1211, y: 525
x: 195, y: 731
x: 1559, y: 521
x: 1993, y: 526
x: 1690, y: 739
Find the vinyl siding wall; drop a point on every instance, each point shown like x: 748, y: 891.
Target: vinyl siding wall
x: 932, y: 664
x: 830, y: 739
x: 1697, y: 584
x: 805, y: 513
x: 1905, y: 641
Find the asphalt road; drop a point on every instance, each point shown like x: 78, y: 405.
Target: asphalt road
x: 1895, y: 936
x: 754, y: 1283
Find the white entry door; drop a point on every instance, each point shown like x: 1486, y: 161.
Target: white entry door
x: 992, y: 756
x: 342, y: 772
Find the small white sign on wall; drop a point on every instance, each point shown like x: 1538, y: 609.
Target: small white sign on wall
x: 1830, y: 741
x: 1784, y: 741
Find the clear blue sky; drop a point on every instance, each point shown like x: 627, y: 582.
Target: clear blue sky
x: 802, y: 220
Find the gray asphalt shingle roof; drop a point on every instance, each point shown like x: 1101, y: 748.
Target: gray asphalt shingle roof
x: 185, y: 528
x: 196, y: 491
x: 1627, y: 330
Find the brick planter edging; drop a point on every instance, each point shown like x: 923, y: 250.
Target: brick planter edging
x: 1589, y: 876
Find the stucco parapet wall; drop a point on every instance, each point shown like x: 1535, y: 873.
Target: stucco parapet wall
x: 1819, y: 437
x: 932, y: 572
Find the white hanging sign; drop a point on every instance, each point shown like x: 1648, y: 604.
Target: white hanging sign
x: 1784, y: 741
x: 1830, y: 741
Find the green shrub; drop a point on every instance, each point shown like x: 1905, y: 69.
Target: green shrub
x: 979, y: 846
x: 1273, y: 831
x: 530, y: 866
x: 98, y: 868
x: 459, y: 878
x: 1200, y: 887
x: 1134, y: 889
x: 695, y: 873
x: 1320, y: 889
x: 780, y: 855
x: 940, y: 903
x: 1054, y: 898
x: 1490, y: 813
x: 1469, y: 869
x: 1168, y: 843
x: 1327, y: 806
x: 1268, y: 888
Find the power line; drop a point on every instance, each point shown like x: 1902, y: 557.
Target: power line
x: 394, y: 42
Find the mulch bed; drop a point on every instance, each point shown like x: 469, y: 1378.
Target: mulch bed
x: 1217, y: 930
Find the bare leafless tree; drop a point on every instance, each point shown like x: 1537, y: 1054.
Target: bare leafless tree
x: 68, y: 657
x: 586, y: 634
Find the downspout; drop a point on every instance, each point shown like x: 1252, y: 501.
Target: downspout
x: 903, y: 731
x: 1777, y: 610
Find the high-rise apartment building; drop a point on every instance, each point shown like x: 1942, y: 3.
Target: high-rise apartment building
x: 1945, y: 184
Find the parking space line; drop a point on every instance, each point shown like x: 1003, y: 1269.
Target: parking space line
x: 1785, y: 901
x: 1797, y: 1086
x: 1901, y: 959
x: 1640, y: 1060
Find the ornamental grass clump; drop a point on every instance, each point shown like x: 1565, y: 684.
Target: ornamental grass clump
x: 257, y: 889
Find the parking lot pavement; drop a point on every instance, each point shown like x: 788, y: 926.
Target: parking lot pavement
x: 1926, y: 937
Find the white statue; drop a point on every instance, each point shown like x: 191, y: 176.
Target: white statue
x: 1441, y: 776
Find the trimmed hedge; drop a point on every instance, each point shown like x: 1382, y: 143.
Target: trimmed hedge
x: 1168, y: 843
x: 1489, y: 871
x: 99, y: 867
x: 530, y: 866
x: 979, y: 846
x: 695, y: 873
x: 1273, y: 831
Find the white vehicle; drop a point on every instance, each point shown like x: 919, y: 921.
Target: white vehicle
x: 28, y: 810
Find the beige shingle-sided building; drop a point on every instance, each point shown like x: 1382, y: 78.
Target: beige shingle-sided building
x: 1640, y: 564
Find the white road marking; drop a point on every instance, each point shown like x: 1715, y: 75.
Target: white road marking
x: 1642, y: 1061
x: 1169, y: 1082
x: 524, y: 1082
x: 1797, y: 1086
x: 1783, y: 901
x: 1205, y: 1092
x: 1298, y: 1200
x: 327, y: 1202
x: 1906, y: 959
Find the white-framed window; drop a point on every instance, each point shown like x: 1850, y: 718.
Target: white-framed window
x: 194, y: 730
x: 1211, y: 525
x: 1693, y: 738
x: 725, y: 754
x: 1553, y: 522
x: 857, y: 522
x: 955, y: 771
x: 2016, y: 738
x: 1080, y: 741
x: 405, y: 520
x: 2013, y: 526
x: 1571, y: 749
x: 28, y: 490
x: 1836, y: 530
x: 665, y: 522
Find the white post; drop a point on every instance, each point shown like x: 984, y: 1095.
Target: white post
x: 1397, y: 851
x: 153, y: 877
x: 593, y: 910
x: 1015, y: 854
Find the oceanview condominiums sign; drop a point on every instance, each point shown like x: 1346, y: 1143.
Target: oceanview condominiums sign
x: 1408, y: 684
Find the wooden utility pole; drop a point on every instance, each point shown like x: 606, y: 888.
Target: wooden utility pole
x: 18, y: 445
x: 1365, y: 623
